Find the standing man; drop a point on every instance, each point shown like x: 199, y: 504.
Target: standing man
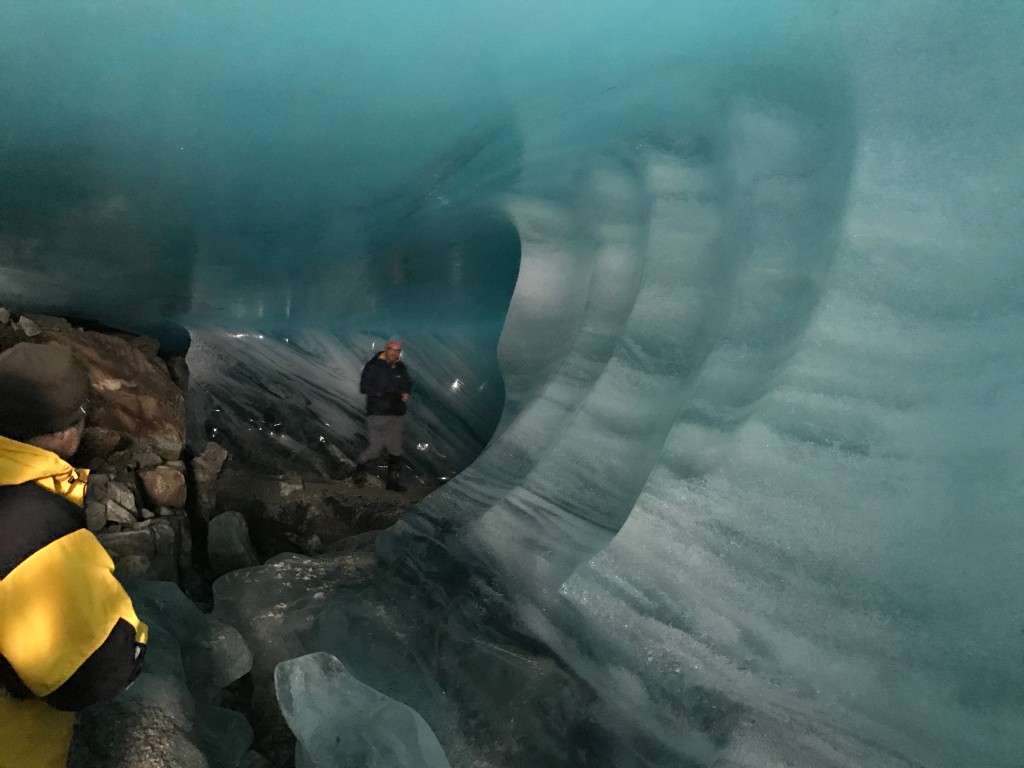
x: 69, y: 636
x: 387, y: 385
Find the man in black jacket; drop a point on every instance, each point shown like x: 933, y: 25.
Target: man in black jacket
x: 69, y: 636
x: 386, y: 384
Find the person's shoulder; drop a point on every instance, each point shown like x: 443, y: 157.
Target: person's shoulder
x: 31, y: 518
x: 35, y: 497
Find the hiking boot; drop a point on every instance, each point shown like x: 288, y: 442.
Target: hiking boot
x: 394, y: 470
x: 359, y: 475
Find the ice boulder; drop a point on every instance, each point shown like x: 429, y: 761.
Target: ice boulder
x: 341, y: 723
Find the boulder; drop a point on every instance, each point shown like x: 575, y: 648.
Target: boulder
x: 47, y: 322
x: 27, y: 326
x: 100, y: 442
x: 116, y: 513
x: 164, y: 486
x: 95, y: 516
x: 131, y: 393
x: 206, y: 468
x: 159, y: 548
x: 166, y: 537
x: 133, y: 567
x: 121, y: 494
x: 288, y: 487
x: 148, y: 460
x: 207, y: 465
x: 97, y: 488
x: 228, y: 544
x: 124, y: 544
x: 178, y: 369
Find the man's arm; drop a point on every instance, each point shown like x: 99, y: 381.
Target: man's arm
x: 105, y: 673
x: 406, y: 382
x: 364, y: 379
x: 70, y: 603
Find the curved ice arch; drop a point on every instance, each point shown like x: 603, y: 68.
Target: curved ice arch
x: 687, y: 492
x: 665, y: 293
x: 657, y: 303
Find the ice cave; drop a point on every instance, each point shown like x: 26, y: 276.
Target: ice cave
x: 716, y: 313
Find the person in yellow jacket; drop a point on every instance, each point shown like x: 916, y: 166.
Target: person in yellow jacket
x: 69, y: 636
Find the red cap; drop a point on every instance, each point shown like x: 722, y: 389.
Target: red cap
x: 394, y: 344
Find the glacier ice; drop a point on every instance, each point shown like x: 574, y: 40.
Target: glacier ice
x: 341, y: 722
x: 755, y: 397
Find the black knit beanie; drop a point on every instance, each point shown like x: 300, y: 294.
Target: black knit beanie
x: 43, y: 389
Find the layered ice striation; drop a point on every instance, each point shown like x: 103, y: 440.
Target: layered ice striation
x: 743, y: 282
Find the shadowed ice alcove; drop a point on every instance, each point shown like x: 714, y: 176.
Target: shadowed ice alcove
x: 714, y: 311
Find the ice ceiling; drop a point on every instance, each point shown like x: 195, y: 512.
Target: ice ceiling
x: 749, y: 277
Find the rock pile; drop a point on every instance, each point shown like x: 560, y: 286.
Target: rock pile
x: 154, y: 505
x: 133, y: 444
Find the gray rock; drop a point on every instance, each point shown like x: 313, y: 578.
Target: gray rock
x: 124, y: 544
x: 98, y: 482
x: 208, y: 464
x: 254, y: 760
x: 133, y: 567
x: 5, y: 316
x: 147, y: 459
x: 213, y: 653
x: 167, y: 446
x: 313, y: 544
x: 28, y: 327
x: 288, y: 487
x: 101, y: 442
x: 228, y: 544
x: 122, y: 495
x: 347, y: 464
x: 95, y: 516
x: 206, y: 468
x: 48, y: 322
x: 116, y: 513
x: 179, y: 373
x: 166, y: 546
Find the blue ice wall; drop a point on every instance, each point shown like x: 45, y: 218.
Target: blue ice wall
x: 761, y: 367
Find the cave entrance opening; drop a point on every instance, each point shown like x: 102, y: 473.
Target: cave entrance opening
x: 450, y: 278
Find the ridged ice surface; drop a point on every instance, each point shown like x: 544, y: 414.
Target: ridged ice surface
x: 762, y: 362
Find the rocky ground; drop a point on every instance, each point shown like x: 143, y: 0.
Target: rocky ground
x: 160, y: 508
x: 289, y: 514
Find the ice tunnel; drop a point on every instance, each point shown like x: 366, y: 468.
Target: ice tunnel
x: 716, y: 309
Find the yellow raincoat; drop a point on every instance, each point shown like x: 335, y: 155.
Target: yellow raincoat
x: 57, y: 607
